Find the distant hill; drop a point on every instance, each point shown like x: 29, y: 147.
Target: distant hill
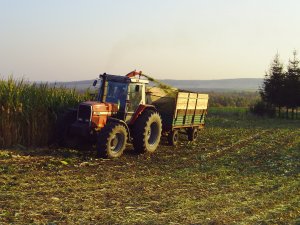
x: 240, y: 84
x: 226, y: 84
x: 80, y: 85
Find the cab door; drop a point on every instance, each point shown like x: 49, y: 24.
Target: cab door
x: 134, y: 99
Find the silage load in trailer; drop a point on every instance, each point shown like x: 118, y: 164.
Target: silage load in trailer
x: 164, y: 100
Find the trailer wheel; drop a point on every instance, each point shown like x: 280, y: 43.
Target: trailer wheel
x: 192, y: 134
x: 111, y: 140
x: 147, y: 132
x: 173, y: 138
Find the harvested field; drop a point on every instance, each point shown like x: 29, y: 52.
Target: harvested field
x: 242, y: 170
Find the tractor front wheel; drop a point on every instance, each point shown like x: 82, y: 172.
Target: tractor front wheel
x: 111, y: 141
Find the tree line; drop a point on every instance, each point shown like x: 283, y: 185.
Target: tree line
x: 281, y: 89
x: 233, y: 98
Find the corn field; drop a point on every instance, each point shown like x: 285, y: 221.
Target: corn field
x: 28, y: 111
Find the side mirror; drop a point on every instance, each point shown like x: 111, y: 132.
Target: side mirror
x: 95, y: 83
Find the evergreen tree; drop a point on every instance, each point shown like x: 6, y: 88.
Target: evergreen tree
x: 273, y: 85
x: 292, y: 84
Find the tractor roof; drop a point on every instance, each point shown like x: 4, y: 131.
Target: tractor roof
x: 123, y: 79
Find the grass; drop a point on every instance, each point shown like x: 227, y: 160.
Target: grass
x: 28, y: 111
x: 229, y: 111
x: 241, y: 170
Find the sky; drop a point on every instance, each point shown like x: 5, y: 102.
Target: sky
x: 67, y: 40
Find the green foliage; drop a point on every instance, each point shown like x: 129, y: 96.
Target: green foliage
x: 292, y: 83
x: 239, y: 112
x: 282, y: 88
x: 28, y: 111
x: 273, y: 87
x: 261, y: 108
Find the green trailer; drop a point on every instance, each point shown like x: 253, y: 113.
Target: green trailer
x: 184, y: 112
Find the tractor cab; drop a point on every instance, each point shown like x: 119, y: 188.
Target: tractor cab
x: 119, y: 98
x: 128, y: 93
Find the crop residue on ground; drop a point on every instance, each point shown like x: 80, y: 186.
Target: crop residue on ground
x: 241, y: 170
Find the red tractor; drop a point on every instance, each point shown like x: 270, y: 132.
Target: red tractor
x: 119, y: 114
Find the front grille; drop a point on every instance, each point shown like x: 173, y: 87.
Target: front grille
x: 84, y: 113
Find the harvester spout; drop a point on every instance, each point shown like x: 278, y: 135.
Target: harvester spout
x: 134, y: 73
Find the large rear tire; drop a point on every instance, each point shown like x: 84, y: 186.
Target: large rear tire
x: 111, y: 140
x: 147, y: 132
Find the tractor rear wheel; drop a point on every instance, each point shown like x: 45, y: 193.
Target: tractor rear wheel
x: 173, y: 138
x: 192, y: 134
x: 111, y: 140
x: 147, y: 132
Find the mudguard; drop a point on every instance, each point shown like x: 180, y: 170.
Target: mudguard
x: 111, y: 119
x: 139, y: 112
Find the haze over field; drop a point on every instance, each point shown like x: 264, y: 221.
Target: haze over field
x: 171, y: 39
x: 245, y: 84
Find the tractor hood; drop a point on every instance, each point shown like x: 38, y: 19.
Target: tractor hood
x: 95, y: 114
x: 101, y: 107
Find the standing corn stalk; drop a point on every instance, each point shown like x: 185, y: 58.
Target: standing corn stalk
x: 28, y: 111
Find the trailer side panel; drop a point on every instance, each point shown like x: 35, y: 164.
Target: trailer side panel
x: 190, y: 110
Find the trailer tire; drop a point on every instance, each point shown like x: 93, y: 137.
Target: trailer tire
x: 111, y: 140
x: 147, y: 132
x: 192, y: 134
x: 173, y: 138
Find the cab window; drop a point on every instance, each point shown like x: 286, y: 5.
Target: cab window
x: 117, y: 93
x: 135, y: 96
